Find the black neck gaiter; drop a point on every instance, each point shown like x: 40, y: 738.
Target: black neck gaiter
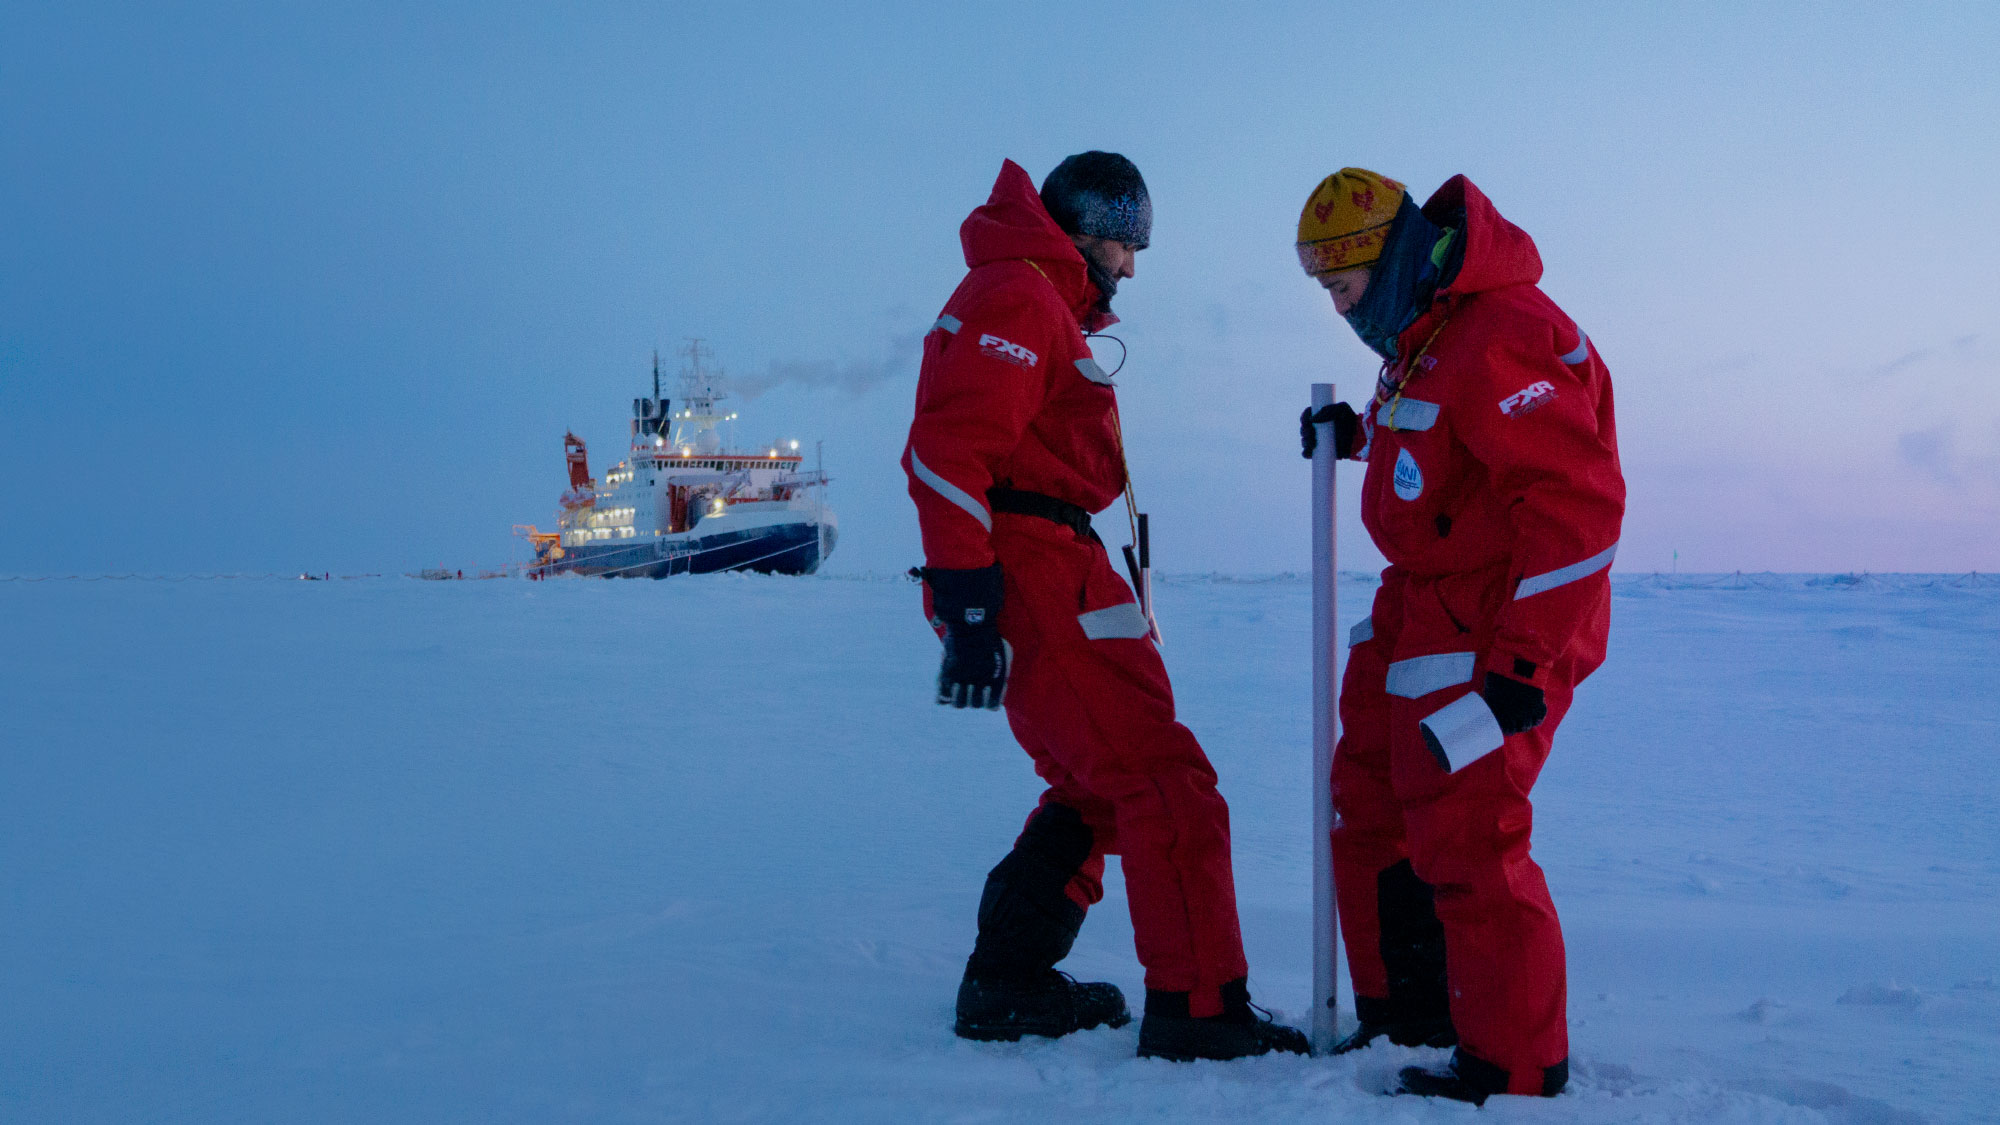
x: 1107, y: 284
x: 1401, y: 283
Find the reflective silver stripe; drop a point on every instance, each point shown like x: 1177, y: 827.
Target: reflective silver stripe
x: 1088, y: 367
x: 1462, y: 732
x: 950, y: 491
x: 1361, y: 633
x: 1408, y: 413
x: 1543, y: 582
x: 948, y: 323
x: 1116, y: 622
x: 1421, y: 675
x: 1582, y: 351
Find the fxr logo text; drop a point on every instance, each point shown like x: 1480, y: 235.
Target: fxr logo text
x: 1528, y: 398
x: 1007, y: 349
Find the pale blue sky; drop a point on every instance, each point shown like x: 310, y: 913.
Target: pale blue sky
x: 321, y: 286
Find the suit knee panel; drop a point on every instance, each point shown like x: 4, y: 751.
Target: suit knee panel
x: 1056, y: 837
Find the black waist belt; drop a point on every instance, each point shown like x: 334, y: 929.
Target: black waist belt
x: 1044, y: 507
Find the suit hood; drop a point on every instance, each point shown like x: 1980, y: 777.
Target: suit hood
x: 1013, y: 224
x: 1497, y: 253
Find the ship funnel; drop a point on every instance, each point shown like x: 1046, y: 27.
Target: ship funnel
x: 649, y: 417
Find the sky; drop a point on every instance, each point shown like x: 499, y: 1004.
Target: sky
x: 320, y: 287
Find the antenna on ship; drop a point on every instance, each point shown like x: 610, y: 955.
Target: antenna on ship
x: 695, y: 353
x: 656, y: 374
x: 694, y: 428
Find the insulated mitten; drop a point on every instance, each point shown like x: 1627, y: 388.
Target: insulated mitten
x: 1516, y: 706
x: 1345, y: 422
x: 966, y: 605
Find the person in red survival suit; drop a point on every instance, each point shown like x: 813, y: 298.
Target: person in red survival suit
x: 1014, y: 444
x: 1494, y: 491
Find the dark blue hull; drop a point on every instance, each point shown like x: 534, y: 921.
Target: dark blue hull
x: 791, y: 548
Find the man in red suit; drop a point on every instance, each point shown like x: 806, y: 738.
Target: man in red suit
x: 1014, y: 445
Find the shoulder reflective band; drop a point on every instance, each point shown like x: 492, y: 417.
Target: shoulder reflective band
x: 1421, y: 675
x: 1462, y: 732
x: 1116, y: 622
x: 1361, y: 633
x: 1407, y: 414
x: 947, y: 322
x: 950, y: 491
x: 1541, y: 583
x: 1582, y: 351
x: 1092, y: 372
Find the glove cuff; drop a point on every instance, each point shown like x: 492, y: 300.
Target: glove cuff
x: 1517, y: 706
x: 1516, y: 667
x: 965, y: 597
x: 1346, y: 428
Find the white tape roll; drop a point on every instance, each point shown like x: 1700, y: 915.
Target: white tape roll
x: 1461, y: 732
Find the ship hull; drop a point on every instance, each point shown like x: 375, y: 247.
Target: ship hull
x: 787, y: 548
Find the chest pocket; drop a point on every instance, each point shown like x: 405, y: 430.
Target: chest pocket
x: 1408, y: 414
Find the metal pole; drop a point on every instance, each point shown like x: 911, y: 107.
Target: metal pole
x: 1325, y: 717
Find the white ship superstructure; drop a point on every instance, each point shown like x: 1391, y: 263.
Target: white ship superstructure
x: 681, y: 502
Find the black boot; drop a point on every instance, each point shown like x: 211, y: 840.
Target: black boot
x: 1417, y: 1011
x: 1469, y: 1079
x: 1047, y: 1003
x: 1027, y: 923
x: 1243, y: 1029
x: 1408, y: 1033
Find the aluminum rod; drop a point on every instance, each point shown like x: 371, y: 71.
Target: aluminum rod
x: 1325, y: 730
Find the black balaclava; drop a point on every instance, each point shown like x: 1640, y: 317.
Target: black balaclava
x: 1415, y: 263
x: 1100, y: 194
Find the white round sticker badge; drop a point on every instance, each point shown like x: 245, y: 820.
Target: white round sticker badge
x: 1409, y: 478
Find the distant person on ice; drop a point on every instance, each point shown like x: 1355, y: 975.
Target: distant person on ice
x: 1494, y: 491
x: 1015, y: 443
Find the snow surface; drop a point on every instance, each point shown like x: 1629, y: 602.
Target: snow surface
x: 700, y: 850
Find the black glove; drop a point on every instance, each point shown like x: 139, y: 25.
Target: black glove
x: 967, y: 606
x: 1345, y: 423
x: 1516, y: 706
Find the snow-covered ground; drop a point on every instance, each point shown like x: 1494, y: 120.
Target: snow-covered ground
x: 701, y: 850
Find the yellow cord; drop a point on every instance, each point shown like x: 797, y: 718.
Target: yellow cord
x: 1410, y: 369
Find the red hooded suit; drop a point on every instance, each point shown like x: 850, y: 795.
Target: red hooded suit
x: 1009, y: 396
x: 1494, y: 491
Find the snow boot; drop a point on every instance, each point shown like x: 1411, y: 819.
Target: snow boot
x: 1047, y: 1003
x: 1027, y: 923
x: 1417, y: 1011
x: 1469, y: 1079
x: 1243, y: 1029
x: 1426, y: 1032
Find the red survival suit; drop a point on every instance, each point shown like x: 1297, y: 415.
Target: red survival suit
x: 1494, y: 491
x: 1009, y: 396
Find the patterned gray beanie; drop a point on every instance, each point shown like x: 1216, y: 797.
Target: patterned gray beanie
x: 1100, y: 194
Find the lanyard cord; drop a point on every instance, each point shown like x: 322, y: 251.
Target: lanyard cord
x: 1117, y: 430
x: 1131, y: 497
x: 1394, y: 394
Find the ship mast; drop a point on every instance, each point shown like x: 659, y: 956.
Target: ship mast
x: 694, y: 426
